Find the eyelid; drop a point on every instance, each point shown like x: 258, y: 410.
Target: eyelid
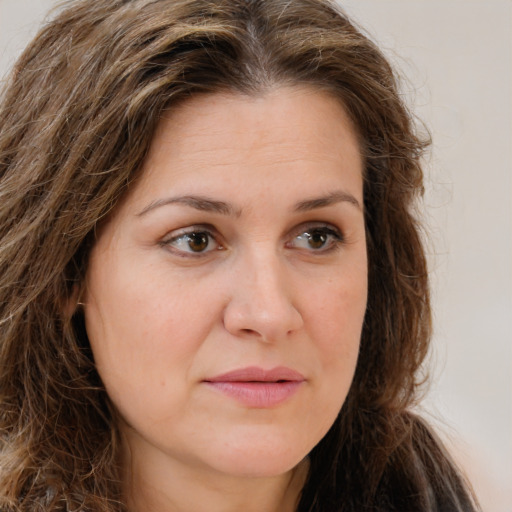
x: 329, y: 228
x: 317, y: 225
x: 207, y: 229
x: 335, y: 234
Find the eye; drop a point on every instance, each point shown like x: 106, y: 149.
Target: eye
x: 317, y: 239
x: 193, y: 242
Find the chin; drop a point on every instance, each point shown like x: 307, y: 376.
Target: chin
x: 257, y: 467
x: 259, y: 458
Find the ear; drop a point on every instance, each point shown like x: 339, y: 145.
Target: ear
x: 73, y: 302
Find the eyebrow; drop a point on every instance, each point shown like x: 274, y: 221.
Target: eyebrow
x: 207, y: 204
x: 198, y: 202
x: 338, y: 196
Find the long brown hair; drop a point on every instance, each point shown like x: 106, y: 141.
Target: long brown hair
x: 77, y: 117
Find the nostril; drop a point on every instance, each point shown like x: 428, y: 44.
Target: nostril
x: 249, y: 331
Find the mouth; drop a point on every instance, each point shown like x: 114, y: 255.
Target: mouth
x: 258, y: 388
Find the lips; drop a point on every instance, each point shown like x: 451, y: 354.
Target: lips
x: 258, y: 388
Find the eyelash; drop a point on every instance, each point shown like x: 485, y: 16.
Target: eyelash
x: 188, y: 234
x: 333, y: 237
x: 333, y: 240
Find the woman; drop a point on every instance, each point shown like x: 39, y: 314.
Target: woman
x: 214, y: 294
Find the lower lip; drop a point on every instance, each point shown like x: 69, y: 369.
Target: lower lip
x: 258, y: 394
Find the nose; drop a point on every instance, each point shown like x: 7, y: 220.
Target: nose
x: 261, y: 304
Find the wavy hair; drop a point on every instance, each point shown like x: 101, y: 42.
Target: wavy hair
x: 77, y: 117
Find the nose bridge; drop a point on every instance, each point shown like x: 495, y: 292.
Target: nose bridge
x: 262, y: 301
x: 267, y: 278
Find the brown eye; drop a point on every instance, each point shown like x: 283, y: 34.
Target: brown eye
x: 316, y: 239
x: 194, y: 242
x: 198, y: 242
x: 320, y: 239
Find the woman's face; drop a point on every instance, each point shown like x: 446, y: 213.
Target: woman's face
x: 225, y: 296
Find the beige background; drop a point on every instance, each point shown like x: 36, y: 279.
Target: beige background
x: 457, y: 56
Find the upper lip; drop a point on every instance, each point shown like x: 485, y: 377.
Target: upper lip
x: 256, y: 374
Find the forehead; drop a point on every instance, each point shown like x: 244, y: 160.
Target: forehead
x: 299, y: 116
x: 231, y: 141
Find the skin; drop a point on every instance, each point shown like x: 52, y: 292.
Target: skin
x: 179, y: 291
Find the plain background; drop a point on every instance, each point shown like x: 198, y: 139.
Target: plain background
x: 456, y: 56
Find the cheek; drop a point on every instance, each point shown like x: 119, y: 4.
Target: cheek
x: 138, y: 310
x: 335, y: 323
x: 337, y: 309
x: 335, y: 320
x: 144, y: 334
